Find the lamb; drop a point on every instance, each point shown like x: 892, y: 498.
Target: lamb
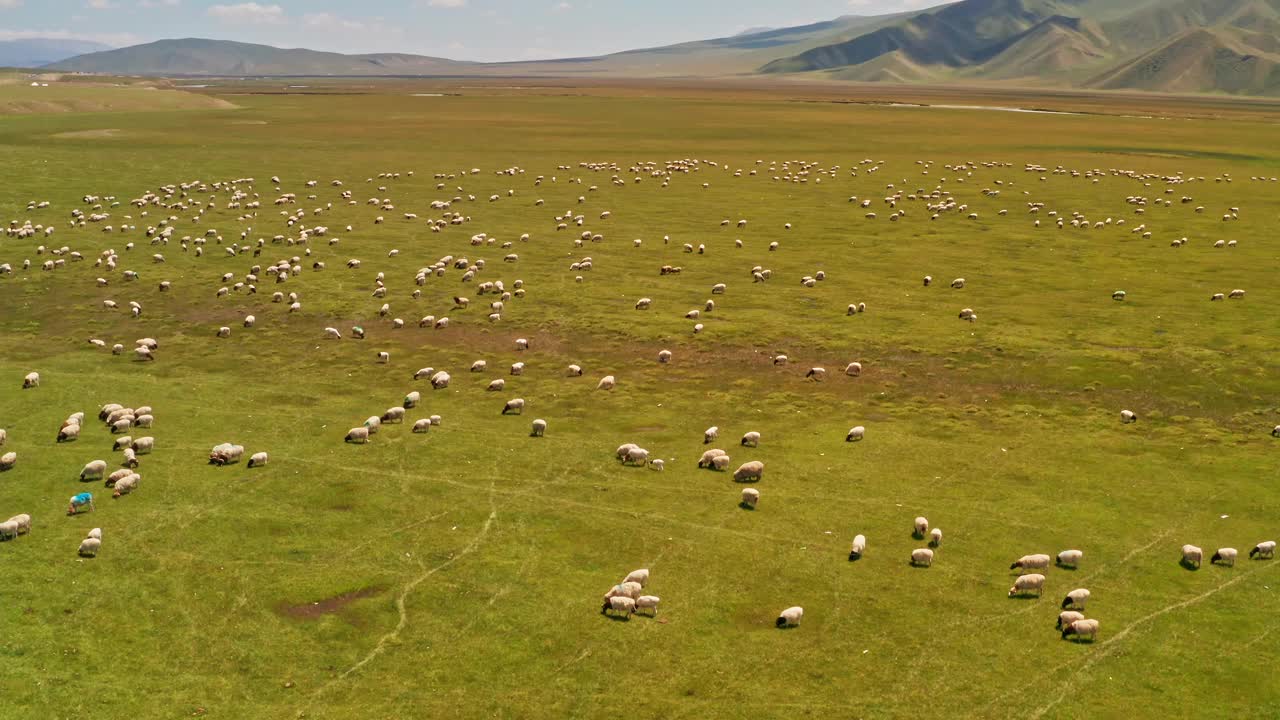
x: 855, y: 434
x: 539, y: 428
x: 1263, y: 550
x: 710, y: 434
x: 1191, y: 556
x: 515, y: 407
x: 935, y: 537
x: 32, y: 380
x: 143, y: 445
x: 751, y: 439
x: 1226, y: 556
x: 749, y: 472
x: 89, y: 547
x: 358, y: 435
x: 8, y: 460
x: 619, y: 604
x: 922, y: 556
x: 258, y: 459
x: 422, y: 426
x: 657, y: 465
x: 720, y: 463
x: 95, y: 533
x: 790, y: 617
x: 1127, y: 416
x: 1070, y: 558
x: 4, y: 436
x: 1030, y: 562
x: 1066, y: 617
x: 1080, y: 628
x: 920, y: 528
x: 649, y: 602
x: 750, y: 498
x: 1027, y: 583
x: 638, y: 576
x: 93, y: 470
x: 858, y: 548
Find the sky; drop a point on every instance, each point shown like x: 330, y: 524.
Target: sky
x: 483, y: 30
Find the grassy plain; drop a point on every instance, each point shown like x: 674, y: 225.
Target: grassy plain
x: 459, y: 573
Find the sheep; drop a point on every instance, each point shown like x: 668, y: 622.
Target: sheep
x: 143, y: 354
x: 710, y: 455
x: 513, y: 407
x: 425, y: 372
x: 68, y: 433
x: 89, y: 547
x: 93, y: 470
x: 1236, y: 295
x: 853, y: 369
x: 636, y: 456
x: 657, y: 465
x: 374, y: 423
x: 1030, y: 562
x: 226, y: 454
x: 384, y: 358
x: 1191, y: 556
x: 710, y: 434
x: 479, y: 366
x: 621, y: 452
x: 358, y: 435
x: 78, y: 501
x: 619, y: 604
x: 422, y: 426
x: 1027, y: 583
x: 497, y: 385
x: 928, y: 280
x: 649, y: 602
x: 816, y: 373
x: 1070, y: 558
x: 606, y: 383
x: 4, y: 436
x: 1275, y: 433
x: 958, y: 283
x: 644, y: 303
x: 638, y: 576
x: 1066, y: 617
x: 749, y: 472
x: 664, y: 356
x: 23, y: 522
x: 626, y: 588
x: 1263, y: 550
x: 751, y: 439
x: 258, y: 459
x: 393, y: 415
x: 922, y: 556
x: 790, y: 617
x: 750, y: 498
x: 718, y: 289
x: 1080, y: 628
x: 331, y: 333
x: 1118, y: 295
x: 539, y: 428
x: 1128, y: 416
x: 935, y: 537
x: 720, y: 463
x: 32, y: 380
x: 1226, y: 556
x: 8, y: 530
x: 855, y: 434
x: 117, y: 476
x: 224, y: 332
x: 126, y: 485
x: 858, y: 548
x: 95, y: 533
x: 440, y: 380
x: 144, y: 421
x: 130, y: 458
x: 412, y: 399
x: 920, y: 528
x: 8, y: 460
x: 122, y: 442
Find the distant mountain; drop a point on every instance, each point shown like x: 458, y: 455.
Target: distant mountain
x: 193, y: 56
x: 37, y: 52
x: 754, y: 31
x: 1226, y: 46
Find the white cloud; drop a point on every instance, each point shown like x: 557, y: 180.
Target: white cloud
x: 446, y: 3
x: 329, y: 21
x: 248, y: 13
x: 148, y: 4
x: 113, y: 39
x: 100, y: 5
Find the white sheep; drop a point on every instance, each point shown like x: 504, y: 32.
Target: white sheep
x: 422, y: 426
x: 573, y: 371
x: 440, y: 380
x: 124, y: 486
x: 384, y: 358
x: 1070, y: 558
x: 1226, y: 556
x: 626, y: 588
x: 636, y: 456
x: 638, y: 576
x: 710, y: 455
x: 1191, y: 555
x: 31, y: 380
x: 89, y: 547
x: 68, y: 433
x: 710, y: 434
x: 358, y: 435
x: 935, y: 537
x: 649, y: 602
x: 664, y: 356
x: 749, y: 472
x: 921, y: 527
x: 539, y: 428
x: 1027, y: 583
x: 258, y: 459
x: 1066, y: 617
x: 751, y: 439
x: 657, y: 465
x: 94, y: 470
x: 514, y: 406
x: 608, y: 382
x: 922, y: 556
x: 1128, y: 416
x: 8, y: 460
x: 790, y: 617
x: 1080, y: 628
x: 853, y: 369
x: 8, y: 530
x: 620, y: 604
x: 1263, y: 550
x: 816, y: 373
x: 855, y: 434
x: 858, y: 548
x: 412, y: 399
x: 1031, y: 562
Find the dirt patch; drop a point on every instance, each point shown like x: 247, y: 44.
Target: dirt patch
x: 89, y: 134
x: 328, y: 606
x: 248, y: 122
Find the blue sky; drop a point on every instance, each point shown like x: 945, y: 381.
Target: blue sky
x: 463, y: 29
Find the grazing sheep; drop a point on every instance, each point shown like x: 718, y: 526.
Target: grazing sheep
x: 1030, y: 562
x: 720, y: 463
x: 374, y: 423
x: 1080, y: 628
x: 332, y: 334
x: 573, y: 371
x: 539, y: 428
x: 790, y: 617
x: 710, y: 455
x: 1226, y: 556
x: 649, y: 602
x: 424, y: 373
x: 1128, y: 416
x: 935, y: 537
x: 384, y: 358
x: 440, y: 380
x: 143, y: 354
x: 78, y: 501
x: 636, y: 456
x: 750, y: 498
x: 922, y: 556
x: 626, y: 588
x: 751, y: 439
x: 8, y: 460
x: 89, y: 547
x: 393, y: 415
x: 859, y: 547
x: 958, y: 283
x: 144, y: 421
x: 1263, y: 550
x: 31, y: 380
x: 69, y: 433
x: 1118, y: 295
x: 23, y: 523
x: 1275, y: 432
x: 144, y: 445
x: 1027, y: 583
x: 258, y: 459
x: 224, y: 332
x: 8, y: 530
x: 855, y: 434
x: 94, y: 470
x: 1236, y: 295
x: 4, y: 436
x: 920, y: 528
x: 435, y: 420
x: 513, y: 407
x: 664, y: 356
x: 479, y: 366
x: 130, y: 458
x: 749, y: 472
x: 1192, y: 556
x: 422, y: 426
x: 1066, y: 617
x: 226, y: 454
x: 657, y: 465
x: 497, y: 385
x: 618, y: 604
x: 358, y: 435
x: 644, y: 303
x: 853, y: 369
x: 517, y: 368
x: 606, y: 383
x: 816, y: 373
x: 638, y: 576
x: 1070, y: 558
x: 124, y: 486
x: 710, y: 434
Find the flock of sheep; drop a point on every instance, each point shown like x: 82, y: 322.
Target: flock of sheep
x: 301, y: 237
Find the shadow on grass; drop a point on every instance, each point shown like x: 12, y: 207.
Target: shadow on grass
x: 1186, y: 565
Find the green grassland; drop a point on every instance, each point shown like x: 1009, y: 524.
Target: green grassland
x: 459, y: 573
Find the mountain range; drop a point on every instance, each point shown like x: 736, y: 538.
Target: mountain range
x: 35, y: 52
x: 1192, y: 46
